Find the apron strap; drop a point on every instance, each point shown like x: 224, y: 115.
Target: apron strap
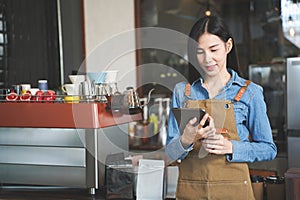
x: 187, y: 90
x: 242, y: 91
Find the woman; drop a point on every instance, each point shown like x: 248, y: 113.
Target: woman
x: 214, y: 157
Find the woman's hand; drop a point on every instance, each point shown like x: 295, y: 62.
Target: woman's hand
x: 192, y: 133
x: 217, y: 144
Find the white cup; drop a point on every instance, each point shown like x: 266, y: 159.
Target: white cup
x: 25, y: 88
x: 71, y: 89
x: 77, y: 79
x: 111, y: 76
x: 34, y: 90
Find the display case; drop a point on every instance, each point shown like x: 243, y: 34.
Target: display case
x: 292, y: 98
x: 59, y: 144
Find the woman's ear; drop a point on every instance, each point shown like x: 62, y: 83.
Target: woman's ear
x: 229, y: 45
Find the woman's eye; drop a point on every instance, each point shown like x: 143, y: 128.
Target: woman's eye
x: 200, y: 51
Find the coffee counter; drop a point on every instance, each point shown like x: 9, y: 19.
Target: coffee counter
x: 59, y: 144
x: 60, y: 115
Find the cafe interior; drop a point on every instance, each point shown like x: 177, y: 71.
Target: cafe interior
x: 86, y: 89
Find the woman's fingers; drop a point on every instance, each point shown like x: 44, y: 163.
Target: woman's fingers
x: 204, y: 132
x: 217, y: 144
x: 192, y: 121
x: 189, y: 132
x: 203, y: 120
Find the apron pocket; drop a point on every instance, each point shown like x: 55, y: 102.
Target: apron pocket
x: 223, y: 190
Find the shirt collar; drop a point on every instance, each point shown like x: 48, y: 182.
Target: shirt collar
x: 235, y: 78
x: 197, y: 80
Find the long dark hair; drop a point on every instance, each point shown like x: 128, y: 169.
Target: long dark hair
x: 216, y: 26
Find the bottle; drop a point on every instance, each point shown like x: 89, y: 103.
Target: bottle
x: 144, y: 105
x: 163, y: 132
x: 167, y: 108
x: 160, y: 108
x: 131, y: 132
x: 153, y: 119
x: 43, y: 85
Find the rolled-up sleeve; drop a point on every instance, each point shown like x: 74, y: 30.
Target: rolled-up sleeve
x: 174, y: 149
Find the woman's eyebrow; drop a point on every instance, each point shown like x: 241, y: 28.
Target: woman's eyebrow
x: 215, y: 45
x: 212, y: 46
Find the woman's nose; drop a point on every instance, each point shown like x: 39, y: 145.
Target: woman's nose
x: 207, y: 57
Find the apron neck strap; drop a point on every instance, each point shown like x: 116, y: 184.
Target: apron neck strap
x: 242, y: 91
x: 187, y: 90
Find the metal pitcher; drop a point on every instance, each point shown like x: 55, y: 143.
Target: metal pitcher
x: 86, y: 90
x: 101, y: 93
x: 131, y: 101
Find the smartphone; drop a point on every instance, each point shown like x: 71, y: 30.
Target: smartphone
x: 184, y: 115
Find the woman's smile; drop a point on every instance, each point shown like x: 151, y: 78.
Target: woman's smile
x: 210, y: 67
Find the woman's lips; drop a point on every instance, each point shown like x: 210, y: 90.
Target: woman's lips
x: 210, y: 67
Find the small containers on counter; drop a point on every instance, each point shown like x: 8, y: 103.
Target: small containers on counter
x: 24, y: 93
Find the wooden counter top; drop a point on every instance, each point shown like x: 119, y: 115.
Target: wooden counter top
x: 60, y: 115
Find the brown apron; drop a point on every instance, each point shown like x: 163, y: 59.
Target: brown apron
x: 213, y: 177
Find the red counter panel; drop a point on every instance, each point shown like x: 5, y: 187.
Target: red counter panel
x: 60, y: 115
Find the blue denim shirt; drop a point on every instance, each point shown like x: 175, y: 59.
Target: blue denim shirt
x: 250, y: 115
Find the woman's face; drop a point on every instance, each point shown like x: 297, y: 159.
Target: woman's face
x: 212, y: 53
